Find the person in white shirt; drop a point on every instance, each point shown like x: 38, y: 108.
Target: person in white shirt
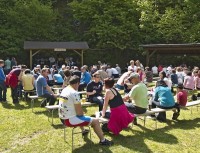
x: 118, y: 69
x: 71, y: 113
x: 154, y: 70
x: 132, y: 67
x: 115, y: 73
x: 109, y: 71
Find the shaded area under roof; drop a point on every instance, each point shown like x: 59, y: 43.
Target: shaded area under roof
x: 39, y: 45
x: 191, y: 48
x: 36, y: 46
x: 173, y: 49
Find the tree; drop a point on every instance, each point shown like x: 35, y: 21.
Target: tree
x: 107, y: 24
x: 24, y: 20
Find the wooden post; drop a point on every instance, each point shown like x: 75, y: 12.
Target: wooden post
x: 31, y: 60
x: 82, y: 57
x: 147, y: 58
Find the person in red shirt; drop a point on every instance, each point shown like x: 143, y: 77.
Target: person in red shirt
x: 181, y: 100
x: 181, y: 95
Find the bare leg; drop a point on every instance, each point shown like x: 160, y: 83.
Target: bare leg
x: 97, y: 129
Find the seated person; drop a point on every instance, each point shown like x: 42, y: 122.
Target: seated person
x: 71, y: 113
x: 189, y: 83
x: 163, y: 99
x: 174, y: 77
x: 119, y: 116
x: 43, y: 90
x: 28, y: 81
x: 57, y: 78
x: 122, y: 80
x: 181, y: 100
x: 94, y: 91
x: 138, y: 95
x: 67, y: 77
x: 149, y: 75
x: 85, y: 78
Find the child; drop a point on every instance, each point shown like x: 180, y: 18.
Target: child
x: 2, y: 82
x: 181, y: 100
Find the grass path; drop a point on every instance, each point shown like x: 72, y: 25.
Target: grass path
x: 26, y: 132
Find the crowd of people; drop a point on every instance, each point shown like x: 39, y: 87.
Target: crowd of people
x: 95, y: 80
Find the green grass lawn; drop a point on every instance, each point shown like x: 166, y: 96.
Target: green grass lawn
x: 24, y: 131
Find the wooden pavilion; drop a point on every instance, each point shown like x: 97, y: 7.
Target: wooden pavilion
x: 173, y: 49
x: 36, y: 46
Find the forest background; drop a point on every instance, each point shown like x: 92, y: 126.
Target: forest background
x: 113, y: 29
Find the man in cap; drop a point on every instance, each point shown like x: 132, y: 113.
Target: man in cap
x: 138, y: 95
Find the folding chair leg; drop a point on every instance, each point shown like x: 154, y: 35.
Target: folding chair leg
x: 48, y: 114
x: 144, y: 120
x: 52, y: 117
x: 73, y: 139
x: 32, y: 104
x: 64, y: 133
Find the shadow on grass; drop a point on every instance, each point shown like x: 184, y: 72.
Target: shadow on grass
x: 14, y: 106
x: 90, y: 147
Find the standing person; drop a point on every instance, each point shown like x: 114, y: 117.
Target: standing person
x: 180, y: 75
x: 51, y: 61
x: 138, y: 95
x: 85, y: 78
x: 94, y: 91
x: 119, y: 116
x: 13, y: 62
x: 118, y: 69
x: 7, y: 66
x: 141, y: 73
x: 132, y: 66
x: 43, y: 90
x: 71, y: 113
x: 2, y: 82
x: 13, y: 79
x: 155, y: 70
x: 138, y: 64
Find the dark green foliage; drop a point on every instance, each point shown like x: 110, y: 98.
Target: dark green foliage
x: 114, y: 26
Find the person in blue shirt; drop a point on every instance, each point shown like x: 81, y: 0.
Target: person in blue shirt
x: 174, y: 77
x: 85, y: 79
x: 163, y: 99
x: 3, y: 87
x: 58, y: 80
x: 43, y: 90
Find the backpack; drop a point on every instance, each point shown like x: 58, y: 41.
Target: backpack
x: 193, y: 98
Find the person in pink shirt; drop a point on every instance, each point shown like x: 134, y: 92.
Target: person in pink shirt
x: 189, y: 81
x: 196, y: 74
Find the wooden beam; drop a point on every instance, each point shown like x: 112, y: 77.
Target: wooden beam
x: 82, y: 57
x: 31, y: 60
x: 77, y: 52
